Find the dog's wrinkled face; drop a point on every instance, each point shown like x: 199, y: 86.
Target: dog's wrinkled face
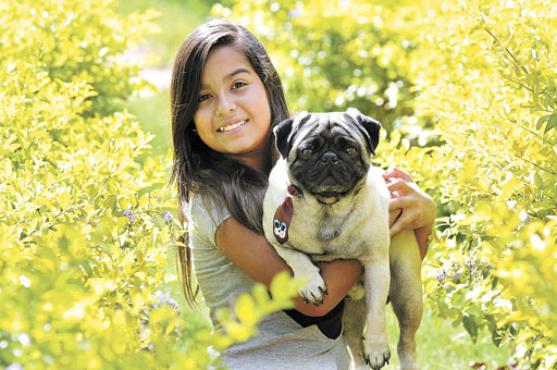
x: 328, y: 153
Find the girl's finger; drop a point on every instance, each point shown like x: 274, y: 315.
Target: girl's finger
x: 399, y: 203
x: 393, y: 216
x: 396, y: 172
x: 400, y: 186
x: 404, y: 222
x: 396, y: 227
x: 399, y: 224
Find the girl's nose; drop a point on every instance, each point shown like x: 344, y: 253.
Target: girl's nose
x: 226, y: 105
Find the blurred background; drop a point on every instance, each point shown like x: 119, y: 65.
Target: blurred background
x: 175, y: 21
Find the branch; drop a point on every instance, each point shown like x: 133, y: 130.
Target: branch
x: 538, y: 166
x: 507, y: 50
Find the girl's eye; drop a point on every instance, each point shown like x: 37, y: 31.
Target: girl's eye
x: 351, y: 151
x: 203, y: 98
x: 238, y: 84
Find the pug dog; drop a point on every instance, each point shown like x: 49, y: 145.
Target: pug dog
x: 326, y: 201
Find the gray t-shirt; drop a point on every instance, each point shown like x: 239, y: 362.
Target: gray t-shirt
x: 281, y: 343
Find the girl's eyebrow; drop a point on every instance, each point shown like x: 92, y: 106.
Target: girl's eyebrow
x: 235, y: 72
x: 230, y: 75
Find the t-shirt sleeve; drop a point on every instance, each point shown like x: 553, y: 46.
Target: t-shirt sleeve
x: 204, y: 215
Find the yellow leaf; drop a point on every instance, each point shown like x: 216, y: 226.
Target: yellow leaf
x: 283, y: 286
x: 246, y: 310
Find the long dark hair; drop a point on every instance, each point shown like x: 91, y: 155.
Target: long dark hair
x: 198, y: 168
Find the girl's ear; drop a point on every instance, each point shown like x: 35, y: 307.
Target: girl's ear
x: 367, y: 126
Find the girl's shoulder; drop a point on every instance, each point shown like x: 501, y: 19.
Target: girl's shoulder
x: 202, y: 205
x: 204, y: 214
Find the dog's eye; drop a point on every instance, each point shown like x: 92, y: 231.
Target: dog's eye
x: 306, y: 152
x: 351, y: 151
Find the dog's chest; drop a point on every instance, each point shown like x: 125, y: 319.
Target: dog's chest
x: 328, y: 227
x: 324, y: 232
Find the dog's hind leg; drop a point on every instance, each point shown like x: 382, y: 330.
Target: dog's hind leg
x: 376, y: 282
x: 406, y: 295
x: 353, y: 322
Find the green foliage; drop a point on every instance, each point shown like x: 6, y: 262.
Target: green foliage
x: 474, y: 121
x: 176, y: 18
x: 85, y: 222
x: 499, y: 169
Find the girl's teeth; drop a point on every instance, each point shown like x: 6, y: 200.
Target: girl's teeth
x: 232, y: 127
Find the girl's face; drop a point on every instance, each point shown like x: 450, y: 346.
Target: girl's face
x: 233, y: 116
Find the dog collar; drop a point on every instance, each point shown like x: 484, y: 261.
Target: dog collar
x: 294, y: 191
x: 283, y: 214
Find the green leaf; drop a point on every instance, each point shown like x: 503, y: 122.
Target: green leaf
x: 551, y: 123
x: 471, y: 326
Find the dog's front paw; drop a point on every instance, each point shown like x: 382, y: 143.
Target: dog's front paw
x: 377, y: 352
x: 314, y: 290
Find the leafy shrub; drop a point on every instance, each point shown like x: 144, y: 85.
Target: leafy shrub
x: 85, y: 220
x: 490, y: 84
x: 471, y: 113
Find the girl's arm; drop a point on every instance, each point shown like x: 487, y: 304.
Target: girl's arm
x: 410, y: 208
x: 258, y: 259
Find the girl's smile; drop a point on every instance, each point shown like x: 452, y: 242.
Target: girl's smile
x: 232, y: 126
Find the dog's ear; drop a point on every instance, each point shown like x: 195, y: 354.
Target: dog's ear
x: 286, y: 130
x: 282, y: 133
x: 367, y: 126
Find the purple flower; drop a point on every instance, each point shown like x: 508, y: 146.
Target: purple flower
x: 167, y: 216
x: 129, y: 213
x: 294, y: 13
x: 164, y: 298
x: 441, y: 277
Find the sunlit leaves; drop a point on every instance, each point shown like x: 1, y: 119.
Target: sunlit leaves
x: 85, y: 218
x: 250, y: 309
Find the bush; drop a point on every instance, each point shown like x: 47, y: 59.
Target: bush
x: 490, y: 85
x: 85, y: 222
x: 468, y: 93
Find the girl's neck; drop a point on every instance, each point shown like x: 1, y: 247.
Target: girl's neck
x: 255, y: 162
x: 259, y: 161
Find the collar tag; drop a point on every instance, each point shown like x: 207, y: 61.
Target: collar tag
x: 281, y: 220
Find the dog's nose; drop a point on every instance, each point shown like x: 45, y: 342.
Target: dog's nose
x: 329, y: 157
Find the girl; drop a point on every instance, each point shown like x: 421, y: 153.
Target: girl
x: 226, y: 96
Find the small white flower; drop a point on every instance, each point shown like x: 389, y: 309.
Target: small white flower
x: 24, y: 280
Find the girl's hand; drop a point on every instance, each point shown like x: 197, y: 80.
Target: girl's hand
x: 410, y: 208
